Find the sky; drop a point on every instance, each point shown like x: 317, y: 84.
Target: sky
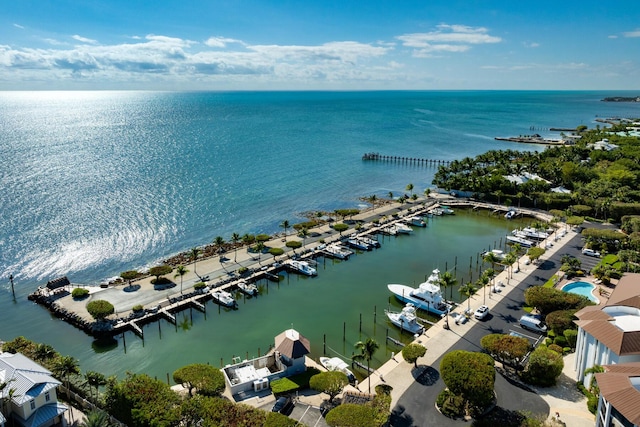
x: 319, y: 45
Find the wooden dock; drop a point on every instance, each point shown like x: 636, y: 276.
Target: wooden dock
x: 404, y: 159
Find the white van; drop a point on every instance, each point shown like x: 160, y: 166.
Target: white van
x: 533, y: 324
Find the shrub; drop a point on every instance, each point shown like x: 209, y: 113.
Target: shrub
x: 199, y: 285
x: 545, y: 366
x: 99, y: 309
x: 572, y: 337
x: 548, y: 300
x: 560, y: 320
x: 560, y: 341
x: 449, y: 404
x: 470, y: 375
x: 242, y: 270
x: 412, y: 352
x: 79, y: 293
x: 351, y: 415
x: 137, y: 307
x: 555, y: 348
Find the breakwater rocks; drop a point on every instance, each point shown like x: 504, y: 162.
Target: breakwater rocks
x: 49, y: 298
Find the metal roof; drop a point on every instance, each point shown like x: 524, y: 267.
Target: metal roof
x: 29, y: 379
x: 616, y: 386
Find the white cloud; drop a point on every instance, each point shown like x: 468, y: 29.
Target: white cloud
x: 531, y: 45
x: 222, y: 42
x: 447, y: 38
x: 613, y: 36
x: 635, y: 33
x: 18, y: 26
x: 84, y: 39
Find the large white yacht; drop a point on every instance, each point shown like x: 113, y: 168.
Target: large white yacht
x: 427, y: 296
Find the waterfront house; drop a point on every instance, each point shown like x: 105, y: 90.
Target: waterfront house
x: 287, y: 358
x: 29, y: 399
x: 619, y: 402
x: 610, y: 333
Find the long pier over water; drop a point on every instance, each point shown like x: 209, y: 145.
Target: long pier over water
x: 403, y: 159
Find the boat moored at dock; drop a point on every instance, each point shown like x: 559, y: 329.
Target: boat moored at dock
x: 427, y: 296
x: 520, y: 241
x: 531, y: 233
x: 336, y: 250
x: 337, y: 364
x: 247, y: 288
x: 224, y: 298
x: 406, y: 319
x: 403, y: 228
x: 369, y: 241
x: 417, y: 221
x: 301, y: 267
x: 356, y: 243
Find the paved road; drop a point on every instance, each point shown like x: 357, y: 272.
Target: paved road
x: 416, y: 406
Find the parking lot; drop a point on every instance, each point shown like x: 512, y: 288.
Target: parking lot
x: 307, y: 414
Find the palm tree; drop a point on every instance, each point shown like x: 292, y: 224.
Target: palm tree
x: 194, y: 253
x: 43, y: 353
x: 373, y: 199
x: 447, y: 280
x: 285, y: 225
x: 509, y: 259
x: 468, y: 289
x: 181, y: 270
x: 304, y: 233
x: 410, y: 188
x: 486, y: 277
x: 96, y: 418
x: 367, y: 350
x: 95, y: 379
x: 6, y: 396
x: 219, y: 241
x: 235, y: 238
x: 64, y: 367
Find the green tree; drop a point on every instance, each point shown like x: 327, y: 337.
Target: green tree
x: 235, y: 238
x: 468, y: 289
x: 64, y: 367
x: 367, y: 350
x: 470, y: 375
x: 506, y: 349
x: 412, y: 352
x: 141, y: 401
x: 159, y: 271
x: 276, y: 252
x: 205, y: 379
x: 410, y: 188
x: 340, y: 227
x: 544, y: 368
x: 294, y: 244
x: 285, y: 224
x: 535, y: 253
x: 181, y: 270
x: 331, y: 383
x: 43, y: 353
x: 129, y: 276
x: 447, y: 280
x: 95, y: 380
x: 219, y: 242
x: 99, y: 309
x: 96, y: 418
x: 194, y: 253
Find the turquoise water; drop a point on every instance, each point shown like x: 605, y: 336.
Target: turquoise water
x: 581, y: 288
x: 96, y: 183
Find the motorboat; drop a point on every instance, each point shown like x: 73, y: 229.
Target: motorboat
x: 417, y: 221
x: 337, y: 364
x: 406, y: 319
x: 510, y: 214
x: 497, y: 252
x: 358, y: 244
x: 224, y: 298
x: 390, y: 230
x: 403, y: 228
x: 301, y: 267
x: 427, y: 296
x: 336, y: 250
x: 446, y: 210
x: 247, y: 288
x: 531, y: 233
x: 437, y: 211
x: 520, y: 241
x: 369, y: 241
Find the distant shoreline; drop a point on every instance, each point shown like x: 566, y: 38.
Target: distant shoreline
x: 622, y: 99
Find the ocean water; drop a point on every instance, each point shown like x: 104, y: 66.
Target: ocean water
x: 95, y: 183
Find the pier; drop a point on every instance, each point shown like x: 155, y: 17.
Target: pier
x: 403, y: 159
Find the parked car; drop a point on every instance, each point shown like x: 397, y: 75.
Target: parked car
x: 282, y: 404
x: 481, y: 312
x: 533, y: 324
x: 590, y: 252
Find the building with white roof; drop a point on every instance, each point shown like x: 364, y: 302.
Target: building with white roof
x: 29, y: 393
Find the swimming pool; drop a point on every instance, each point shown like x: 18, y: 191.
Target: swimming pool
x: 581, y: 288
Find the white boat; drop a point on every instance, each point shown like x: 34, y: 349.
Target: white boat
x: 520, y: 240
x: 427, y: 296
x: 302, y: 267
x: 406, y: 319
x: 248, y: 288
x: 446, y: 210
x: 338, y: 251
x: 497, y: 252
x: 224, y: 298
x: 510, y: 214
x: 403, y: 228
x: 391, y: 230
x: 437, y: 211
x: 358, y: 244
x: 337, y: 364
x: 531, y: 233
x: 417, y: 221
x: 369, y: 241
